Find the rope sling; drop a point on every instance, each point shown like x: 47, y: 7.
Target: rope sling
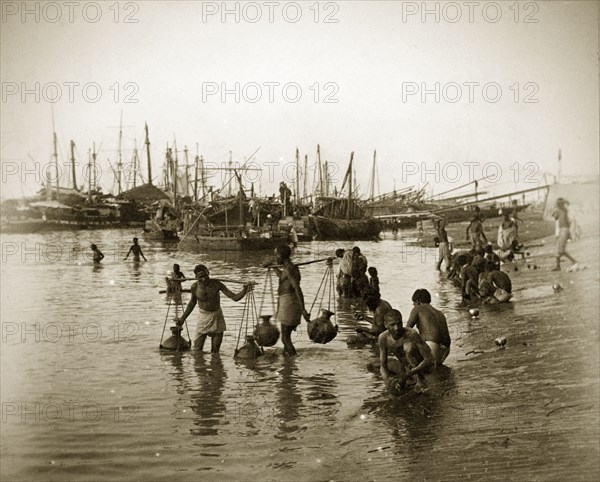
x: 322, y: 329
x: 175, y: 299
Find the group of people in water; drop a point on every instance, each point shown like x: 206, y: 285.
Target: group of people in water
x: 421, y: 343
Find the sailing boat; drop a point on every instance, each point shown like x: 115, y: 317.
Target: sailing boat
x: 343, y: 218
x: 202, y: 234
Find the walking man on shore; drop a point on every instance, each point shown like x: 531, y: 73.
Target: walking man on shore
x: 563, y: 232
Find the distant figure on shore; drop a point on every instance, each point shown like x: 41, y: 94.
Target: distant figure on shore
x: 290, y: 301
x: 406, y: 344
x: 97, y: 256
x: 431, y: 324
x: 373, y: 280
x: 206, y: 293
x: 395, y: 225
x: 494, y: 286
x: 136, y: 249
x: 443, y: 244
x: 563, y: 232
x: 507, y: 235
x: 477, y: 236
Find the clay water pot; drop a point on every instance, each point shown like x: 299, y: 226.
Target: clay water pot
x: 249, y: 350
x: 266, y: 333
x: 474, y: 312
x: 321, y: 329
x: 176, y: 342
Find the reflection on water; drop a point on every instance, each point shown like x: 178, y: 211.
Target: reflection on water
x: 206, y: 399
x: 285, y: 418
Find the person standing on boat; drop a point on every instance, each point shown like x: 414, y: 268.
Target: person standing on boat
x: 136, y: 249
x: 97, y: 256
x: 290, y: 301
x: 206, y: 293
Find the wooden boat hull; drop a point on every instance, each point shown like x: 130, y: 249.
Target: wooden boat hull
x: 231, y: 243
x: 342, y: 229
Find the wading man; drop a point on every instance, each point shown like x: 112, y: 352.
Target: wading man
x: 136, y: 249
x: 206, y: 292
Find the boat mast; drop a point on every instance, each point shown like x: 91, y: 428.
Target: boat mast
x: 55, y: 156
x: 304, y: 193
x: 326, y: 179
x: 230, y: 168
x: 148, y: 154
x: 120, y: 164
x: 73, y: 164
x: 89, y: 175
x: 350, y: 186
x: 320, y: 170
x: 175, y: 169
x: 135, y: 162
x: 373, y: 175
x: 297, y: 176
x: 196, y: 162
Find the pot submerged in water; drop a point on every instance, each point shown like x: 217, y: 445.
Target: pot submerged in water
x: 266, y: 333
x: 321, y: 329
x: 250, y: 350
x: 176, y: 342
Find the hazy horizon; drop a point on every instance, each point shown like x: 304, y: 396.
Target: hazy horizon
x: 368, y: 62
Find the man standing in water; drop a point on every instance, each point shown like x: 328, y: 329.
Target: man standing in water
x: 563, y: 232
x: 290, y: 301
x: 136, y: 249
x: 476, y: 227
x: 444, y: 247
x: 206, y: 292
x: 431, y: 324
x: 412, y: 352
x: 97, y: 256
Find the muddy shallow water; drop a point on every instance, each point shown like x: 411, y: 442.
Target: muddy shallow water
x: 87, y: 395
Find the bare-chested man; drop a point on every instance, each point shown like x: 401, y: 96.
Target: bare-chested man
x: 431, y: 324
x: 206, y: 292
x: 136, y: 249
x: 379, y: 308
x: 477, y: 236
x: 494, y: 285
x: 412, y: 352
x: 290, y: 301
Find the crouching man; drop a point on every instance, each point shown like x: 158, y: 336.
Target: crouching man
x: 406, y: 344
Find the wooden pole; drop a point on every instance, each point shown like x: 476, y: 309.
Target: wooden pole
x: 148, y: 154
x: 73, y: 165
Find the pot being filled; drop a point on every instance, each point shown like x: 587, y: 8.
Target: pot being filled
x: 176, y: 342
x: 249, y: 350
x: 321, y: 329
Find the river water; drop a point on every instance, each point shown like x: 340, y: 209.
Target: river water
x: 87, y: 395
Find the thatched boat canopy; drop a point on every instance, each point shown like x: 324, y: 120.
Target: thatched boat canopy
x: 147, y: 193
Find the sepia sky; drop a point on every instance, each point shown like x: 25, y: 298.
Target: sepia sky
x: 370, y: 61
